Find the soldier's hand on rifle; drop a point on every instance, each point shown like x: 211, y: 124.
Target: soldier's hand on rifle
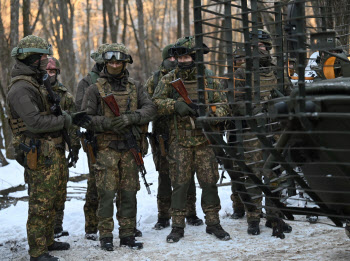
x: 75, y: 156
x: 67, y: 120
x: 127, y: 119
x: 183, y: 109
x: 81, y: 119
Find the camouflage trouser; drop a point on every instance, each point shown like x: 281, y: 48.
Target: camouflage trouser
x: 237, y: 203
x: 44, y: 185
x: 184, y: 162
x: 61, y: 190
x: 165, y: 190
x: 91, y: 203
x: 116, y: 172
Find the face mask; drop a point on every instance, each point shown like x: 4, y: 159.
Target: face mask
x: 114, y: 70
x: 43, y: 64
x: 264, y: 57
x: 53, y: 79
x: 186, y: 65
x: 169, y: 65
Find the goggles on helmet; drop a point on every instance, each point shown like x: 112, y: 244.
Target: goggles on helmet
x: 119, y: 56
x: 34, y: 50
x: 179, y: 51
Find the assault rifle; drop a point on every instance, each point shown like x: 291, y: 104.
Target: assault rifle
x: 181, y: 89
x: 130, y: 139
x: 57, y: 110
x: 88, y: 142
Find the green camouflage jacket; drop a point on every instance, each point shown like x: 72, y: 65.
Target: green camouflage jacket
x: 165, y: 97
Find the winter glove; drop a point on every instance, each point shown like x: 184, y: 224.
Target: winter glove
x: 81, y: 119
x: 183, y: 109
x: 110, y: 124
x: 127, y: 119
x: 75, y: 156
x: 67, y: 120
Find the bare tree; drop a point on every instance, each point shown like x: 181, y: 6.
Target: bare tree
x: 14, y: 23
x: 62, y: 30
x: 142, y: 49
x: 88, y: 47
x: 179, y: 20
x: 125, y: 20
x: 27, y: 28
x: 104, y: 14
x: 112, y: 20
x: 187, y: 29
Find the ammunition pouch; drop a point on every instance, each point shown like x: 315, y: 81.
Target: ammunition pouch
x: 32, y: 158
x: 17, y: 125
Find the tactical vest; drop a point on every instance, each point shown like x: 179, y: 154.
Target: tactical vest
x: 18, y: 125
x: 60, y: 90
x: 126, y: 100
x: 268, y: 82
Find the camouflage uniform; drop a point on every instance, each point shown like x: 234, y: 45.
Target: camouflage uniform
x: 67, y: 104
x: 250, y: 142
x: 91, y: 200
x: 31, y: 120
x: 189, y: 152
x: 115, y: 169
x: 160, y: 127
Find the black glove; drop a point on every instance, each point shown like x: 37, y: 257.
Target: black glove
x: 75, y: 155
x: 81, y: 119
x: 183, y: 109
x: 126, y: 120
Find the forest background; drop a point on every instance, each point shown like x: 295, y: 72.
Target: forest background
x: 75, y: 28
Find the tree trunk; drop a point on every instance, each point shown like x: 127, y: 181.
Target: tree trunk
x: 26, y: 20
x: 142, y: 49
x: 111, y: 19
x: 125, y: 22
x: 14, y: 23
x: 104, y: 14
x: 187, y: 29
x: 179, y: 20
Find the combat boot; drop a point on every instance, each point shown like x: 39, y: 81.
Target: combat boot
x: 312, y: 219
x: 285, y: 226
x: 91, y: 236
x: 137, y: 233
x: 175, y: 235
x: 218, y: 231
x: 131, y: 243
x: 238, y: 214
x: 59, y: 232
x: 162, y: 223
x: 194, y: 221
x: 44, y: 257
x: 58, y: 246
x: 107, y: 244
x: 347, y: 228
x: 253, y: 228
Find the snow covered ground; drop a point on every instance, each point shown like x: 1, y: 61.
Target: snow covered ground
x: 306, y: 242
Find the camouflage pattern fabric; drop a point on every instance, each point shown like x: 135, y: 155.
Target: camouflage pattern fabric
x: 160, y: 127
x: 67, y: 104
x: 116, y: 172
x: 30, y: 41
x: 91, y: 203
x: 189, y: 154
x: 44, y: 183
x: 184, y: 162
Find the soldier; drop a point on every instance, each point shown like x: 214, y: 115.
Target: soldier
x: 159, y: 143
x: 116, y: 170
x: 91, y: 201
x: 189, y: 152
x: 239, y: 61
x: 67, y: 103
x: 35, y: 127
x: 267, y: 81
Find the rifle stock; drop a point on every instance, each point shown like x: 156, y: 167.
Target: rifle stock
x: 181, y: 89
x: 130, y: 139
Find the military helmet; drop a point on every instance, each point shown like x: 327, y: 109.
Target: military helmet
x: 165, y: 52
x: 97, y: 55
x: 30, y: 45
x: 239, y: 51
x: 116, y: 50
x: 185, y: 46
x: 264, y: 36
x: 53, y: 64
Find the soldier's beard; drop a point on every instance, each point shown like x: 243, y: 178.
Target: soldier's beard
x: 53, y: 79
x: 115, y: 71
